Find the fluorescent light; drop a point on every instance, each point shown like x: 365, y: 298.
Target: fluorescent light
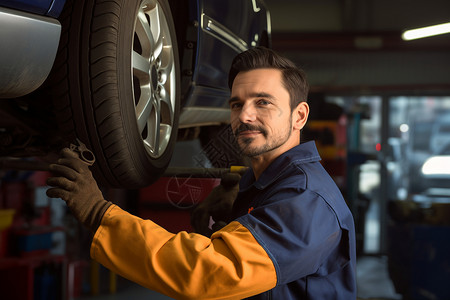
x: 426, y: 31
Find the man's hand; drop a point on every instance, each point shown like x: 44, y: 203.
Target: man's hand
x: 217, y: 205
x: 72, y: 181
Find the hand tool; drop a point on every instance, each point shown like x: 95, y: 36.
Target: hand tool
x: 85, y: 154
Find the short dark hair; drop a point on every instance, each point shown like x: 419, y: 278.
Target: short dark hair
x: 294, y: 78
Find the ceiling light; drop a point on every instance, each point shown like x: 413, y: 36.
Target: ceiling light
x: 426, y: 31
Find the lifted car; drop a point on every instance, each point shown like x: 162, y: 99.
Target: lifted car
x: 124, y: 76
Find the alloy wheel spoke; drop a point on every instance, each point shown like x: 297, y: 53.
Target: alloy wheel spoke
x: 153, y: 127
x: 144, y: 33
x: 141, y: 65
x: 155, y: 27
x: 167, y: 60
x: 166, y: 100
x: 144, y: 108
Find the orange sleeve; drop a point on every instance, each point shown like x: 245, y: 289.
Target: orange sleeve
x: 230, y: 265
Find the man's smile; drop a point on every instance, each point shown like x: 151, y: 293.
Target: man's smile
x: 249, y: 133
x: 246, y: 130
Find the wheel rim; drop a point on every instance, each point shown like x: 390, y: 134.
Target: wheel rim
x: 154, y: 78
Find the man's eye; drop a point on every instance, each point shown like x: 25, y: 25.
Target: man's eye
x: 235, y: 105
x: 263, y: 102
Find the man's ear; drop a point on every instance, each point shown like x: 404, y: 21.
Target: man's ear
x: 300, y: 115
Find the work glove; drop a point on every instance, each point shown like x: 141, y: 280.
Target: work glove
x: 73, y: 182
x: 217, y: 205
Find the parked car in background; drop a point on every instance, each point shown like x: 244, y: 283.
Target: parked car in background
x: 428, y: 153
x: 435, y: 170
x: 440, y: 134
x: 122, y: 76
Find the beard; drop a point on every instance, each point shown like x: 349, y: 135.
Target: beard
x: 272, y: 143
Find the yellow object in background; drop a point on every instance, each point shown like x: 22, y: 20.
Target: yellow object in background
x: 6, y: 218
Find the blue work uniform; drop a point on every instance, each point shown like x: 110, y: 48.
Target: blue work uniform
x: 298, y: 215
x: 292, y: 238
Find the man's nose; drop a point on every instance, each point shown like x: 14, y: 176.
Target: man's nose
x: 247, y: 114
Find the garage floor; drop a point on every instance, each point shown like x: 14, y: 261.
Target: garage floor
x: 373, y: 279
x: 373, y: 283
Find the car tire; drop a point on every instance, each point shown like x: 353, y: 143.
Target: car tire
x: 115, y: 86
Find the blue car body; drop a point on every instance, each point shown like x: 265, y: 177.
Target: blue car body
x: 30, y: 35
x: 51, y: 8
x: 224, y: 30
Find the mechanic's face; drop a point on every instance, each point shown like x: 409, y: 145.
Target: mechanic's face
x: 261, y: 117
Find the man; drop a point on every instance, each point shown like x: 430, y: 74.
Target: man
x: 291, y: 235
